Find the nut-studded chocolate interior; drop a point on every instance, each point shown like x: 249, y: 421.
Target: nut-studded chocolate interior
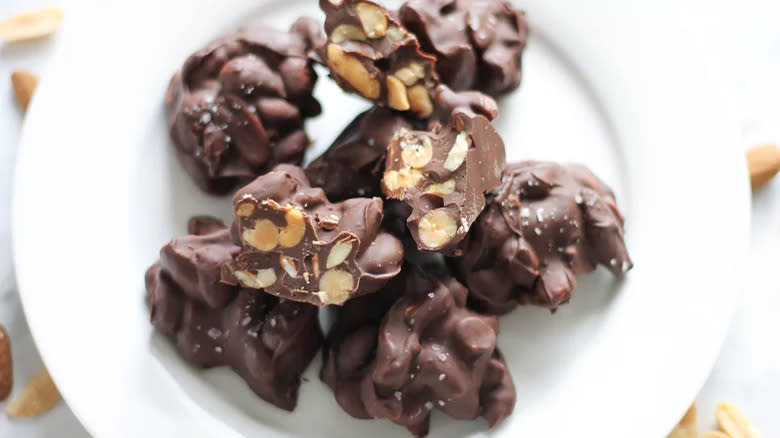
x: 370, y: 53
x: 299, y: 246
x: 542, y: 226
x: 443, y: 178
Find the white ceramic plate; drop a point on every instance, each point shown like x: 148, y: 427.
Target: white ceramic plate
x: 609, y: 83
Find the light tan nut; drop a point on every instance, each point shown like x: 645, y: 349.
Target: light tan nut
x: 396, y: 94
x: 410, y: 74
x: 289, y: 265
x: 339, y: 253
x: 763, y: 163
x: 688, y: 425
x: 346, y: 32
x: 246, y: 209
x: 420, y: 101
x: 714, y: 434
x: 264, y: 236
x: 457, y: 154
x: 263, y: 279
x: 352, y: 71
x: 416, y: 154
x: 372, y: 19
x: 30, y: 25
x: 401, y: 179
x: 24, y: 83
x: 396, y: 33
x: 293, y: 233
x: 442, y: 189
x: 329, y: 222
x: 436, y: 229
x: 6, y: 365
x: 732, y: 421
x: 38, y: 396
x: 315, y: 265
x: 335, y: 286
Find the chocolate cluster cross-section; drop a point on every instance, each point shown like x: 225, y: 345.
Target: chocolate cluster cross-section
x: 544, y: 224
x: 299, y: 246
x: 269, y: 343
x: 478, y: 43
x: 443, y: 176
x: 353, y: 165
x: 370, y: 53
x: 427, y: 352
x: 238, y: 105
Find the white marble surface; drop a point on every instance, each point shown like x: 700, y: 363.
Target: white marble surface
x: 741, y: 44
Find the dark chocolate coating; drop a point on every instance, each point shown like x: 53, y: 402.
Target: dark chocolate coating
x: 443, y: 176
x: 269, y: 343
x: 546, y: 223
x: 298, y: 245
x: 238, y: 105
x: 371, y: 54
x: 429, y: 351
x: 478, y: 43
x: 353, y: 165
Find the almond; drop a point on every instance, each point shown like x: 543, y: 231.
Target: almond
x: 31, y: 24
x: 714, y: 434
x: 24, y: 83
x: 733, y: 422
x: 687, y: 427
x: 763, y: 163
x: 38, y: 396
x: 6, y: 365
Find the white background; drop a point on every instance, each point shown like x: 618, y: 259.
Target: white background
x: 740, y: 42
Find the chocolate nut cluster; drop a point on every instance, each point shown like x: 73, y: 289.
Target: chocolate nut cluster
x: 411, y: 226
x: 546, y: 223
x: 268, y: 342
x: 237, y: 106
x: 299, y: 246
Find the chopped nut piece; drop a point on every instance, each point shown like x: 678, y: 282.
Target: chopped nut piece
x: 443, y: 189
x: 30, y: 25
x: 38, y: 396
x: 335, y: 286
x: 396, y: 33
x: 417, y: 154
x: 353, y: 71
x: 410, y: 74
x: 293, y: 233
x: 6, y: 365
x: 339, y: 253
x: 401, y: 179
x: 373, y: 20
x: 436, y: 229
x: 687, y: 427
x: 732, y: 421
x: 289, y: 266
x: 396, y: 94
x: 347, y: 32
x: 457, y: 154
x: 264, y: 236
x: 245, y: 209
x: 420, y: 101
x: 263, y: 279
